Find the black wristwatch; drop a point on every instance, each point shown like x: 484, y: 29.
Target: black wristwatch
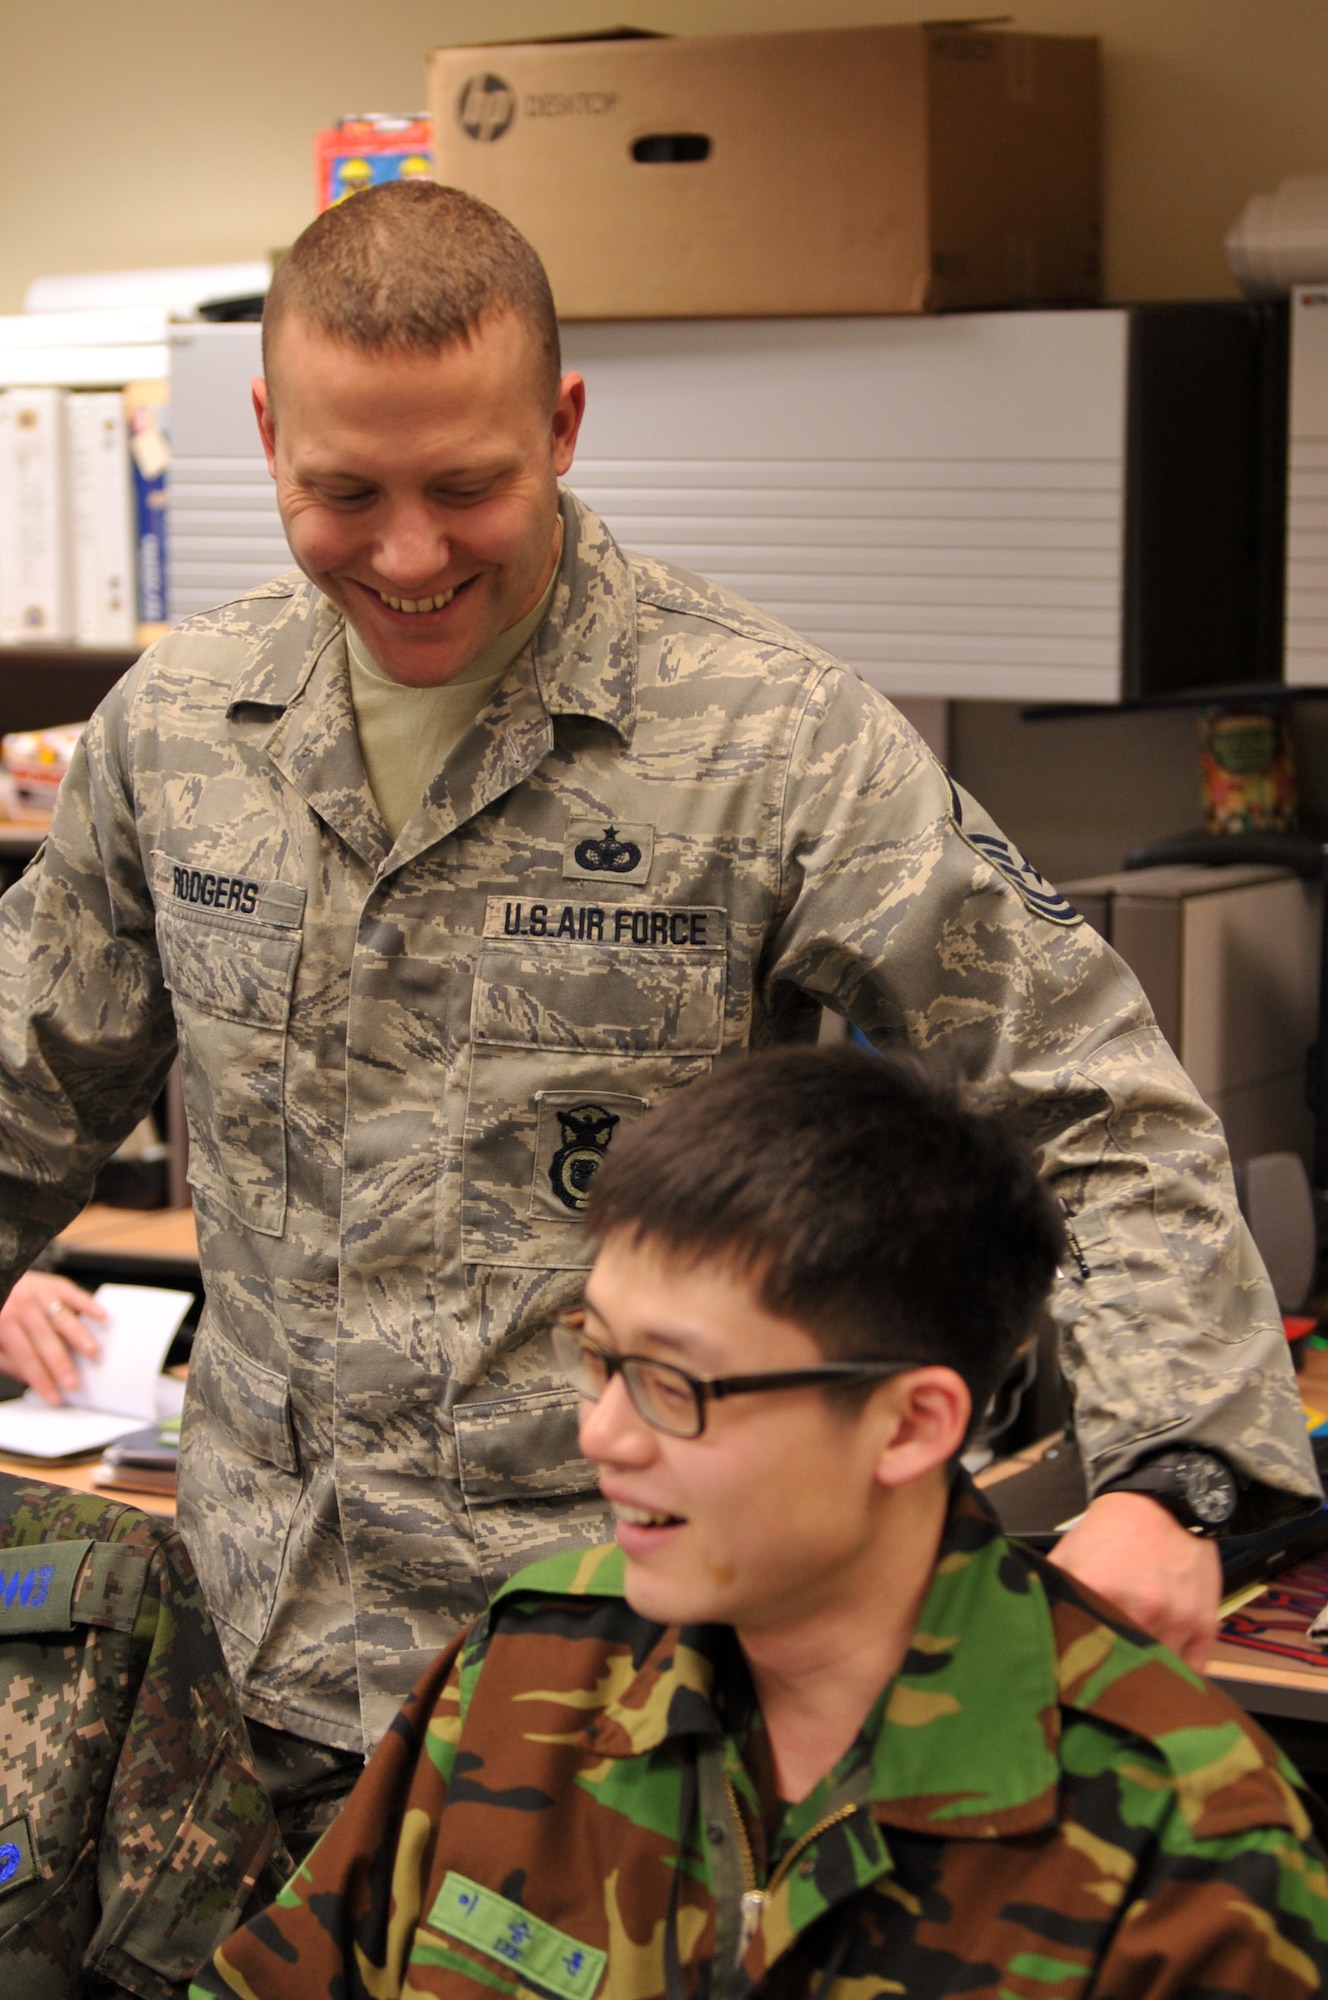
x: 1198, y: 1487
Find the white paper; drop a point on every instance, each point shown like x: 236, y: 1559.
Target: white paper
x: 122, y: 1381
x: 170, y: 1398
x: 34, y: 1430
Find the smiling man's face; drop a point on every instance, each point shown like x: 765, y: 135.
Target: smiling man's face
x: 771, y: 1519
x: 419, y: 491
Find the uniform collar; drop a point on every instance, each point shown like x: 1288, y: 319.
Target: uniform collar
x: 281, y: 660
x: 583, y: 656
x: 968, y: 1744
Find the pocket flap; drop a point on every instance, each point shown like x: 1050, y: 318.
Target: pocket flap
x: 248, y: 1400
x: 521, y: 1447
x: 234, y: 974
x: 604, y: 998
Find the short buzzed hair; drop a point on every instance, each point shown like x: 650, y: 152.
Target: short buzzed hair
x: 411, y: 267
x: 864, y: 1199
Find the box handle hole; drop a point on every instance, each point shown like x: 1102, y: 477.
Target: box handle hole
x: 663, y: 148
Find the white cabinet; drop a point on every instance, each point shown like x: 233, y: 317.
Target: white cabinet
x: 1025, y: 506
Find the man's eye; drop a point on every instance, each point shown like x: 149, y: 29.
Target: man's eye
x: 668, y: 1390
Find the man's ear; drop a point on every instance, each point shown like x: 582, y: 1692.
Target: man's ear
x: 567, y: 414
x: 267, y: 429
x: 929, y: 1410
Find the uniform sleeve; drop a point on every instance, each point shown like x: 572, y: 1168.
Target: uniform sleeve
x: 86, y: 1033
x: 343, y: 1927
x: 1248, y: 1915
x: 189, y: 1841
x: 903, y: 907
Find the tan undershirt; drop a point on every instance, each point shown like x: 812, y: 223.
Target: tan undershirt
x: 406, y: 734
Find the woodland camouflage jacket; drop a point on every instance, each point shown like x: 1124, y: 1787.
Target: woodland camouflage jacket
x: 1043, y: 1805
x: 133, y: 1829
x: 674, y: 832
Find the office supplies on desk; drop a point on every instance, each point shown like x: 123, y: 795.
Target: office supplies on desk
x: 144, y: 1462
x: 1264, y: 1655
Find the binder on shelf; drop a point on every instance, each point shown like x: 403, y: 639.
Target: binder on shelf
x: 105, y: 610
x: 36, y: 595
x: 145, y: 414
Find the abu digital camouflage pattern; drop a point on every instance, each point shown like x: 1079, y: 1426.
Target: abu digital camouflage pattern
x: 384, y: 1047
x: 1042, y: 1805
x: 133, y: 1830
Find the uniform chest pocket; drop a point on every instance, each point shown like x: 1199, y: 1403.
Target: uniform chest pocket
x: 230, y: 982
x: 571, y: 1042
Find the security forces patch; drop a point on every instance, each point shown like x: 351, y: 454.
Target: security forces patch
x: 1035, y: 891
x: 605, y: 850
x: 18, y: 1864
x: 587, y: 1130
x: 571, y: 1145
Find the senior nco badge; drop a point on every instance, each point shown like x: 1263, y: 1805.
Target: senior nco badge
x: 607, y: 850
x: 587, y: 1130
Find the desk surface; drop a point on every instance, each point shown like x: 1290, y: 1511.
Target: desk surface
x: 139, y: 1233
x: 78, y: 1479
x: 23, y: 836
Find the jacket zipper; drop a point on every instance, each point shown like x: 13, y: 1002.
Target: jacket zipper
x: 754, y: 1899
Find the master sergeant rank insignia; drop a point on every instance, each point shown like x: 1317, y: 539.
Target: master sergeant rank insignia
x: 1039, y: 895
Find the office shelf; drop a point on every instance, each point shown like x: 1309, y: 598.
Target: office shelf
x: 44, y: 685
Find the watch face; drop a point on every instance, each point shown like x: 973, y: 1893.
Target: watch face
x: 1210, y: 1488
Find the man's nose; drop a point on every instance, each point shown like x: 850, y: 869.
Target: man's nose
x: 413, y: 547
x: 612, y: 1431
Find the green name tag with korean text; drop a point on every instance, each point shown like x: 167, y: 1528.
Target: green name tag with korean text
x: 535, y: 1951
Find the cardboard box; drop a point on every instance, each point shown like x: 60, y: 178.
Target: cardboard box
x: 849, y: 170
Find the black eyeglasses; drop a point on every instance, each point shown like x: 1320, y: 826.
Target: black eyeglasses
x: 671, y: 1400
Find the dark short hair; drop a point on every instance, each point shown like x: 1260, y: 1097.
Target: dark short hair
x: 866, y: 1201
x: 411, y: 267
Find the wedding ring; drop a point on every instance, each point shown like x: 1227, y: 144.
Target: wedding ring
x: 56, y: 1306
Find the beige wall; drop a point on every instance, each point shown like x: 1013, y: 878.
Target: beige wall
x: 175, y: 131
x: 169, y: 131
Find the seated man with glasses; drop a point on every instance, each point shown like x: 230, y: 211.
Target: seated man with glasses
x: 812, y: 1726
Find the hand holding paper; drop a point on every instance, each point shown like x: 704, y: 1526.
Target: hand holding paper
x: 43, y: 1319
x: 118, y: 1390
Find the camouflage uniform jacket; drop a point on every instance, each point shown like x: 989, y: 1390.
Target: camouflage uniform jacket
x: 133, y: 1829
x: 1042, y: 1805
x: 675, y: 831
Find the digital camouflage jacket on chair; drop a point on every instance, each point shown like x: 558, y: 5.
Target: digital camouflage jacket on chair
x: 133, y: 1829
